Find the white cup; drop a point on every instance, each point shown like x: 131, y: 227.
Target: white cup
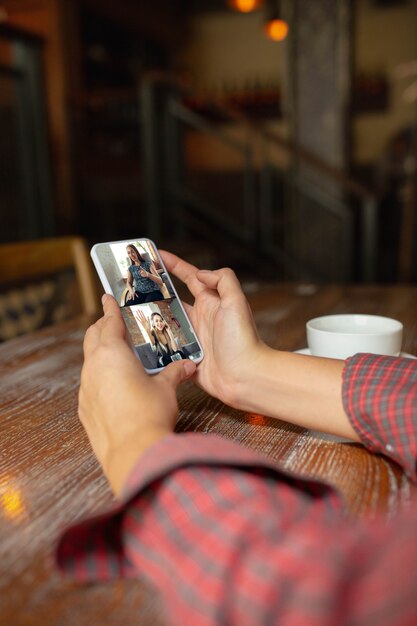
x: 341, y: 336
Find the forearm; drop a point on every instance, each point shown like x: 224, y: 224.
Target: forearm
x: 155, y: 278
x: 299, y: 389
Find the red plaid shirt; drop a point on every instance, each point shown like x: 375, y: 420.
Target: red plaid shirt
x: 228, y: 537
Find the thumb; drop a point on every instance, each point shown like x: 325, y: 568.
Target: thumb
x: 177, y: 372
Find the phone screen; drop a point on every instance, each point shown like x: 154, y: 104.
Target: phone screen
x: 159, y: 329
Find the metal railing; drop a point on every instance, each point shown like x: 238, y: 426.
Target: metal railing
x: 320, y: 227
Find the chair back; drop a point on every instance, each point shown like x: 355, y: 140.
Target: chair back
x: 43, y: 282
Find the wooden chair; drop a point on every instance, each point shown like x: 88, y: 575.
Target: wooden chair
x: 43, y: 282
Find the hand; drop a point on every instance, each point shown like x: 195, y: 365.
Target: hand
x: 123, y: 409
x: 224, y: 324
x: 144, y: 273
x: 142, y: 319
x: 131, y: 293
x: 239, y: 369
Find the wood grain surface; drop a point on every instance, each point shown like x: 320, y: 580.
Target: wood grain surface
x: 49, y: 477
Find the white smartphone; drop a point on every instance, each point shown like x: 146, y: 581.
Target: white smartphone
x: 158, y: 327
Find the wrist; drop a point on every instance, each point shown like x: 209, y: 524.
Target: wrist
x: 242, y: 391
x: 121, y: 459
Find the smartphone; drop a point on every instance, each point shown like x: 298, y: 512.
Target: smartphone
x: 159, y: 329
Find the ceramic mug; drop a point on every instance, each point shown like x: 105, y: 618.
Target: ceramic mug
x: 341, y: 336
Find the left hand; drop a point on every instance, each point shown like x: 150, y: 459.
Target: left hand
x: 144, y: 273
x: 123, y: 409
x: 224, y: 324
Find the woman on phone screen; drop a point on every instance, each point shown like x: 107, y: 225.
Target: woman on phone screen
x: 161, y: 337
x: 143, y: 281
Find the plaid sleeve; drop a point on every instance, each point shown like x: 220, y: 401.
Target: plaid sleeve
x: 236, y: 541
x: 239, y: 547
x: 94, y: 548
x: 380, y: 399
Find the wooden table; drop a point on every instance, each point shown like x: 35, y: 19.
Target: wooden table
x: 49, y: 477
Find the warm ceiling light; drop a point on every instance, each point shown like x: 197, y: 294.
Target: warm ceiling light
x: 276, y: 29
x: 245, y: 6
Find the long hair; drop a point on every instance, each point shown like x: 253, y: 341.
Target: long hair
x: 140, y: 257
x: 166, y: 345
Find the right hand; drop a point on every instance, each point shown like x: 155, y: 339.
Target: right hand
x: 131, y: 293
x: 223, y: 321
x: 124, y: 410
x: 141, y: 317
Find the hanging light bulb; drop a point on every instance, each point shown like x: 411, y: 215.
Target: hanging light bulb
x: 275, y: 27
x: 245, y: 6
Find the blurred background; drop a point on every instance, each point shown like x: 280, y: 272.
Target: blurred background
x: 275, y: 137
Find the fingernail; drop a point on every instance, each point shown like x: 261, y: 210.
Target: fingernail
x: 104, y: 297
x: 189, y: 367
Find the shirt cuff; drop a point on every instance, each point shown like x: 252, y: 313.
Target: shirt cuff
x: 380, y: 399
x: 93, y: 549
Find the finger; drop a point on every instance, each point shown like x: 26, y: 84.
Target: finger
x: 176, y: 373
x: 184, y: 271
x: 92, y: 338
x: 113, y: 325
x: 224, y: 281
x: 209, y: 278
x: 110, y: 306
x: 94, y: 334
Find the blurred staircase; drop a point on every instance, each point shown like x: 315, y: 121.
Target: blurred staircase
x: 278, y: 212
